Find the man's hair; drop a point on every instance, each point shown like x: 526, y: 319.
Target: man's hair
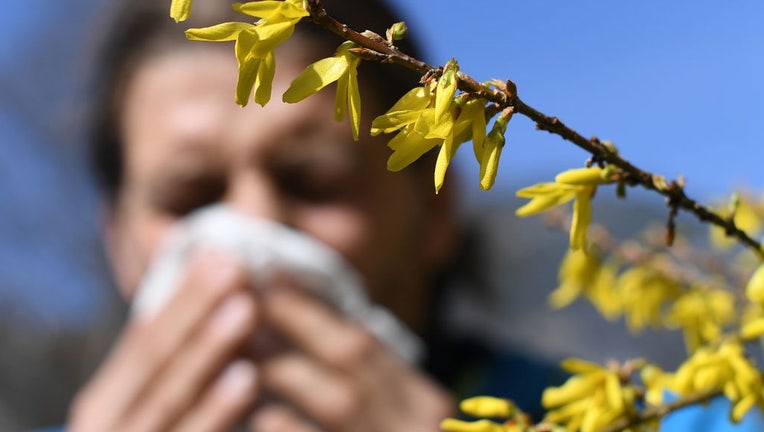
x: 142, y: 28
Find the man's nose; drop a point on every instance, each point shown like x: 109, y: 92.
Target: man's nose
x: 257, y: 195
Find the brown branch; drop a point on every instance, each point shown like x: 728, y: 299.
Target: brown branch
x: 673, y: 191
x: 660, y: 411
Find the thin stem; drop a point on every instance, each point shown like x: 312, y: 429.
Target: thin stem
x: 673, y: 191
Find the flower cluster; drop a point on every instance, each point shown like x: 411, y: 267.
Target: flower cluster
x: 591, y: 399
x: 649, y: 293
x: 723, y: 369
x: 431, y: 116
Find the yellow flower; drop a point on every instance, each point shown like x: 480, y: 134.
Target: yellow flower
x: 656, y: 381
x: 469, y: 123
x: 341, y: 68
x: 491, y: 151
x: 594, y: 397
x: 725, y: 369
x: 255, y: 43
x: 419, y: 128
x: 644, y: 292
x: 752, y: 320
x: 405, y: 112
x: 577, y: 272
x: 547, y: 195
x: 702, y: 313
x: 544, y: 196
x: 603, y: 293
x: 486, y: 406
x: 416, y: 139
x: 180, y: 10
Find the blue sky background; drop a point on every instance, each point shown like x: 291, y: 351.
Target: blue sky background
x: 676, y: 85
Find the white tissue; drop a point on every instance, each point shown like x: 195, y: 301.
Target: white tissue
x: 265, y: 247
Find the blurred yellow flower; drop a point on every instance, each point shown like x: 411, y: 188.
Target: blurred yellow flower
x: 755, y: 287
x: 454, y: 425
x: 701, y: 313
x: 486, y: 406
x: 644, y: 292
x: 725, y: 369
x: 593, y: 398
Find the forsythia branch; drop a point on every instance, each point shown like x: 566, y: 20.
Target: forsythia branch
x: 676, y: 198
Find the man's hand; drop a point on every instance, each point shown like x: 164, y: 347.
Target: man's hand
x: 337, y: 377
x: 175, y: 371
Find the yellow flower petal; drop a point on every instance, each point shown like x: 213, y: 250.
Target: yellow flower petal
x: 544, y: 202
x: 564, y: 295
x: 247, y: 78
x: 489, y: 165
x: 543, y: 189
x: 582, y: 217
x: 405, y: 111
x: 755, y: 288
x: 226, y: 31
x: 315, y: 77
x: 180, y: 10
x: 575, y: 388
x: 354, y: 100
x: 446, y: 89
x: 582, y: 176
x: 447, y: 151
x: 272, y: 9
x: 486, y: 406
x: 248, y: 66
x: 263, y: 84
x: 341, y: 97
x: 742, y: 407
x: 613, y: 393
x: 408, y: 146
x: 272, y: 35
x: 391, y: 122
x: 753, y: 329
x: 454, y: 425
x: 429, y: 127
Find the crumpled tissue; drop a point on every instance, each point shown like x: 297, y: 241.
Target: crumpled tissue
x: 268, y: 248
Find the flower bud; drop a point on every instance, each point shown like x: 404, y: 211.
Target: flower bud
x: 397, y: 31
x: 486, y: 406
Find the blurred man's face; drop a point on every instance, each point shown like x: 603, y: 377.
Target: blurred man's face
x: 187, y: 144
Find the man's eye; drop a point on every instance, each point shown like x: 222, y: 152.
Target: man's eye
x: 313, y: 188
x: 184, y: 199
